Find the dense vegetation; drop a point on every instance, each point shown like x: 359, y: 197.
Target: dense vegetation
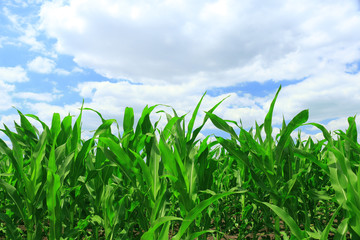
x: 152, y: 183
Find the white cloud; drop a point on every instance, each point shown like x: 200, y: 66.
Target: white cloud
x: 61, y: 71
x: 77, y: 70
x: 24, y: 27
x: 173, y: 42
x: 41, y: 65
x: 44, y: 97
x: 13, y: 74
x: 9, y: 76
x: 5, y: 100
x: 46, y: 65
x: 339, y: 123
x: 327, y: 96
x: 8, y: 120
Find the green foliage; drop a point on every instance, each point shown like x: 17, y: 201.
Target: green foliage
x: 146, y: 182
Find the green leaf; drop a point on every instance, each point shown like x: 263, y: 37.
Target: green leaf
x: 16, y: 153
x: 27, y: 126
x: 254, y: 146
x: 268, y: 118
x: 128, y: 122
x: 105, y: 127
x: 197, y: 234
x: 342, y: 230
x: 325, y: 233
x: 168, y: 129
x: 167, y: 156
x: 298, y: 233
x: 65, y: 132
x: 98, y: 113
x: 45, y: 127
x: 221, y: 124
x: 146, y: 174
x: 36, y: 164
x: 193, y: 117
x: 17, y: 165
x: 52, y: 196
x: 234, y: 150
x: 17, y: 200
x: 11, y: 229
x: 325, y: 132
x: 191, y: 216
x: 160, y: 221
x: 117, y: 155
x: 197, y: 130
x: 305, y: 154
x: 164, y: 234
x: 154, y: 163
x: 55, y: 125
x: 296, y: 122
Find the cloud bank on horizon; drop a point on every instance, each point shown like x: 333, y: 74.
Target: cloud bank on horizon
x: 115, y: 54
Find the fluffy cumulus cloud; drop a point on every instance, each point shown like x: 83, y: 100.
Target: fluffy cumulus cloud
x: 8, y: 77
x: 13, y: 74
x: 332, y: 95
x: 45, y: 65
x: 41, y: 65
x: 43, y: 97
x: 24, y: 31
x: 180, y: 41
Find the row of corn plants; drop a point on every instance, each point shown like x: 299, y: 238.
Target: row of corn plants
x: 147, y: 182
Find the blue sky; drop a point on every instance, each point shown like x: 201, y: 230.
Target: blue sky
x: 114, y: 54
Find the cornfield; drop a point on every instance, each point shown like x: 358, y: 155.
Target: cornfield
x: 167, y: 183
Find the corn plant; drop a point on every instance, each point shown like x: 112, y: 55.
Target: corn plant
x: 265, y: 160
x: 147, y: 182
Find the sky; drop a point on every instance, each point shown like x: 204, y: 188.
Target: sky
x: 115, y: 54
